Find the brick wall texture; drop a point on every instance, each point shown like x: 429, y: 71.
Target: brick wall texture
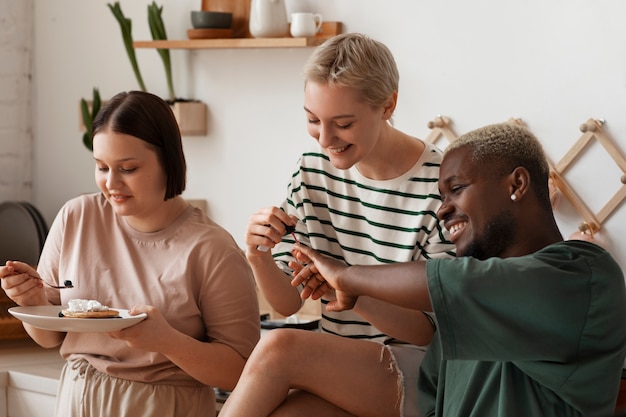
x: 16, y: 135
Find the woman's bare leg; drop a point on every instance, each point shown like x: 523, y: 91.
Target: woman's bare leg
x: 303, y: 404
x: 354, y: 375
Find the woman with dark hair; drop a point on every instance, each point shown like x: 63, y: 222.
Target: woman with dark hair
x: 138, y: 245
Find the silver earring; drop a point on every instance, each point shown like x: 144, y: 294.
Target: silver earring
x: 513, y: 197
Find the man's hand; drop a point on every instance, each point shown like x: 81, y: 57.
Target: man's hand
x: 321, y: 275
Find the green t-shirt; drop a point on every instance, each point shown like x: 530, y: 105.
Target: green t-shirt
x: 537, y: 335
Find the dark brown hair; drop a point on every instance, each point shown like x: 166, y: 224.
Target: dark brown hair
x: 149, y: 118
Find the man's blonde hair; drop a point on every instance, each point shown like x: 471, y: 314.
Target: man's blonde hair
x: 500, y: 148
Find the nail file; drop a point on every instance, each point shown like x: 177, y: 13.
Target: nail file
x: 289, y: 230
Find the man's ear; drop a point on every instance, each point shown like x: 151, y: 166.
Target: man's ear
x: 519, y: 184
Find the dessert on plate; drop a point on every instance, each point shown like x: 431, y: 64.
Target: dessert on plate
x: 80, y: 308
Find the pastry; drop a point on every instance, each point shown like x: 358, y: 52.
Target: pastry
x: 87, y: 309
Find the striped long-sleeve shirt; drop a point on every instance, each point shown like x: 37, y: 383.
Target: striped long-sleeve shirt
x: 364, y: 222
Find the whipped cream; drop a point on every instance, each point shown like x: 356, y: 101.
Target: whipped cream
x: 78, y: 305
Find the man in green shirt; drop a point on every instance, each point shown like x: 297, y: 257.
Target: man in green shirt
x: 527, y: 324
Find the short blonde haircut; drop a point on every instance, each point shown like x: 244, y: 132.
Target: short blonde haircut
x: 357, y: 61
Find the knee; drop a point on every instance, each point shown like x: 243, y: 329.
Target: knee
x: 277, y: 349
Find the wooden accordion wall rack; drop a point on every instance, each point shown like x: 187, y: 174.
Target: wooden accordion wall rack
x: 591, y: 130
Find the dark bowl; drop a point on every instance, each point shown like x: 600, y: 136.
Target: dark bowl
x: 202, y: 19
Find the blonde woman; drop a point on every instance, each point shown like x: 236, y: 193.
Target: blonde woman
x: 367, y: 195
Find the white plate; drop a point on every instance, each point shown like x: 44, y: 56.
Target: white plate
x: 47, y: 317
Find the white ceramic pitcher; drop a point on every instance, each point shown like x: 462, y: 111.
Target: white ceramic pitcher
x: 268, y: 19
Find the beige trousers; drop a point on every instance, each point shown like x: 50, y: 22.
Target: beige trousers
x: 87, y: 392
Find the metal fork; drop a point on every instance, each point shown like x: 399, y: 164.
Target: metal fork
x: 66, y: 284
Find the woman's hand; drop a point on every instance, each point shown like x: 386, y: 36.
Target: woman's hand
x: 265, y: 229
x: 148, y: 334
x: 320, y: 276
x: 21, y: 284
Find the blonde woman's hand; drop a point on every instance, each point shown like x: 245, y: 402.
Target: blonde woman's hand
x: 265, y: 229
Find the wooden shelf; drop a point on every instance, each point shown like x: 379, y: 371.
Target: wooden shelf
x: 328, y: 30
x: 232, y: 43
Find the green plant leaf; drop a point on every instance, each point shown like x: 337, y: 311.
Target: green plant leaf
x: 97, y: 103
x: 88, y: 117
x: 87, y: 139
x: 157, y: 30
x: 127, y: 36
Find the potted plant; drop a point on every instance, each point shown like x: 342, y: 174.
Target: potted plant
x: 190, y: 114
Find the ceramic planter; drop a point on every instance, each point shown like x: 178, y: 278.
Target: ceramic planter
x: 191, y: 117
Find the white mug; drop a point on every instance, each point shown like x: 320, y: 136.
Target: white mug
x: 305, y: 24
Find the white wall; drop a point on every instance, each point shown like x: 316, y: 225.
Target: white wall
x: 552, y: 63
